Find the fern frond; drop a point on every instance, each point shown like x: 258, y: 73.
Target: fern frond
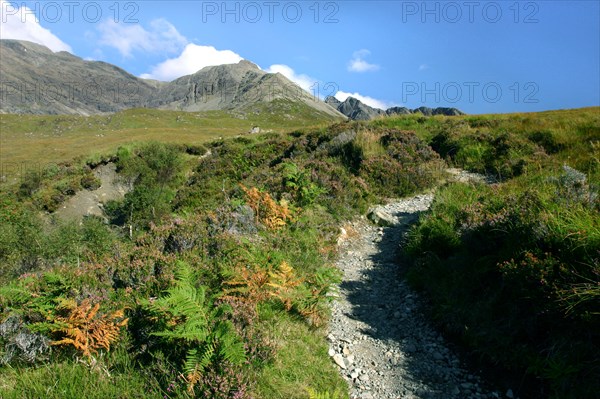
x: 86, y: 330
x: 52, y: 278
x: 193, y: 321
x: 184, y: 273
x: 15, y: 295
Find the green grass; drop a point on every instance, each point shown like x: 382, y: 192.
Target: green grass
x: 52, y: 139
x: 301, y: 363
x: 512, y: 272
x: 532, y: 141
x: 69, y: 379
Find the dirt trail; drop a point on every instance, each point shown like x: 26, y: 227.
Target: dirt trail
x: 379, y: 337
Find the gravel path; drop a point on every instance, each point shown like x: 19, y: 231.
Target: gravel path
x: 379, y: 338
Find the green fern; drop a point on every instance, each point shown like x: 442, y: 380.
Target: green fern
x: 14, y: 295
x: 24, y: 301
x: 192, y: 320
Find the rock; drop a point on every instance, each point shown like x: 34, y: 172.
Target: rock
x: 455, y: 391
x: 331, y: 352
x: 334, y: 102
x: 350, y: 359
x: 339, y: 360
x: 357, y: 110
x: 381, y: 217
x: 255, y: 130
x: 398, y: 111
x: 447, y: 111
x: 342, y: 236
x: 438, y: 356
x: 510, y: 394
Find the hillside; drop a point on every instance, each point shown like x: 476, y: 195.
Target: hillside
x: 46, y: 140
x: 37, y: 81
x: 214, y: 275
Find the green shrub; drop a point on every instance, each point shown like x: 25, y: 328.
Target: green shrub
x: 90, y: 182
x: 547, y: 140
x: 519, y: 269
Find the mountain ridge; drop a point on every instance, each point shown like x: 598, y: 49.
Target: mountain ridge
x: 36, y: 80
x: 355, y: 109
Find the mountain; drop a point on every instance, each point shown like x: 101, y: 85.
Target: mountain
x: 36, y: 80
x: 438, y: 111
x: 233, y: 87
x: 357, y: 110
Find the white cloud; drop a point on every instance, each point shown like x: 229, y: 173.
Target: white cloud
x: 370, y: 101
x: 21, y: 23
x: 304, y: 81
x: 191, y: 60
x: 423, y: 67
x: 161, y: 37
x: 358, y: 64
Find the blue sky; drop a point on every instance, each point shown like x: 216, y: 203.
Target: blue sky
x: 478, y: 56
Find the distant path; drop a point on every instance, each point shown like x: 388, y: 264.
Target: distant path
x: 383, y: 344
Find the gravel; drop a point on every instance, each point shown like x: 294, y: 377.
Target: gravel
x: 379, y: 337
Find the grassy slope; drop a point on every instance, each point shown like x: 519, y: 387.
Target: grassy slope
x: 318, y: 171
x: 513, y: 270
x: 53, y: 139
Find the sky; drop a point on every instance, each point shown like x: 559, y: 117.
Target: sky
x: 478, y: 56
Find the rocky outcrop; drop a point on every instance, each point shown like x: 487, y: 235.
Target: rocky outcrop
x: 398, y: 111
x: 438, y: 111
x: 357, y: 110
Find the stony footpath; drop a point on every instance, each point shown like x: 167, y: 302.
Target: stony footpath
x: 381, y: 341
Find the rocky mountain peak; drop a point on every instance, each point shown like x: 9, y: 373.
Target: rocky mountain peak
x: 37, y: 80
x: 355, y: 109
